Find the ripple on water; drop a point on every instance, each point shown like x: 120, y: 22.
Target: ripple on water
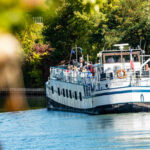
x: 42, y: 129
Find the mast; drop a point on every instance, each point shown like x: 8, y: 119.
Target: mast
x: 87, y: 58
x: 76, y: 53
x: 70, y: 57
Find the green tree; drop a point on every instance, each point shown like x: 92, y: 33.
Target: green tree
x: 82, y: 23
x: 127, y: 22
x: 73, y: 24
x: 35, y: 51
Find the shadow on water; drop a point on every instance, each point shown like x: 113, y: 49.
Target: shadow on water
x: 34, y: 102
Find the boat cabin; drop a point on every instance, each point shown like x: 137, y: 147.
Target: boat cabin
x: 114, y: 60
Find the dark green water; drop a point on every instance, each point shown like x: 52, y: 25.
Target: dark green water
x: 34, y: 102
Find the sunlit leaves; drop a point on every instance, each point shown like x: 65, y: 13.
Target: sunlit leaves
x: 14, y: 13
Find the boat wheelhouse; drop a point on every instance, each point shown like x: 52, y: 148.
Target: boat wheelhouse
x: 119, y: 83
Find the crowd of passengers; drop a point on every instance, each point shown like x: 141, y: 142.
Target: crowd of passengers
x: 82, y: 67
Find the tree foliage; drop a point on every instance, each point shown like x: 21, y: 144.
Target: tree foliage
x: 35, y: 51
x: 93, y: 25
x: 128, y: 22
x: 72, y: 25
x: 14, y: 13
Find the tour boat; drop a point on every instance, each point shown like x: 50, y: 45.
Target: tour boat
x: 118, y: 83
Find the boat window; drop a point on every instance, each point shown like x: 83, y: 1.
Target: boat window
x: 63, y: 92
x: 75, y: 94
x: 80, y: 95
x: 135, y: 58
x: 66, y: 93
x: 52, y: 88
x: 126, y: 58
x: 59, y: 91
x: 103, y: 76
x: 70, y: 94
x: 113, y: 59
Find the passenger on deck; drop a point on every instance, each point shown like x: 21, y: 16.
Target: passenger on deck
x: 82, y: 63
x: 110, y: 60
x: 68, y: 68
x: 91, y: 68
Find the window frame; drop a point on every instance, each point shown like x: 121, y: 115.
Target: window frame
x: 121, y: 54
x: 75, y: 95
x: 70, y: 94
x: 80, y: 96
x: 58, y: 90
x: 63, y: 92
x: 67, y: 95
x: 52, y: 89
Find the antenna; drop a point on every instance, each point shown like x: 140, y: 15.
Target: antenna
x: 75, y: 52
x: 144, y: 45
x: 140, y: 42
x: 121, y: 46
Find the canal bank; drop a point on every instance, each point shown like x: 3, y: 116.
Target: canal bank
x: 35, y: 98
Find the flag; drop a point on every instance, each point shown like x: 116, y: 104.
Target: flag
x: 72, y: 51
x: 81, y: 50
x: 131, y: 60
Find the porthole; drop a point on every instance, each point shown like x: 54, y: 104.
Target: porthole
x: 58, y: 91
x: 52, y: 88
x: 80, y: 96
x: 66, y: 93
x: 70, y: 94
x: 63, y: 92
x: 75, y: 95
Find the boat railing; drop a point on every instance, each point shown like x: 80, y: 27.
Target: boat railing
x: 71, y: 76
x: 132, y: 78
x: 97, y: 82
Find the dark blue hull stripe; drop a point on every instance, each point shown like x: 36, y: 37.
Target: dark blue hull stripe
x: 122, y: 92
x: 124, y: 87
x: 105, y: 109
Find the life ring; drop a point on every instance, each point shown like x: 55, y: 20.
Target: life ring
x: 124, y: 74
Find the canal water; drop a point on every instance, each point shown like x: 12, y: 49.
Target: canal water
x: 40, y: 129
x: 34, y: 102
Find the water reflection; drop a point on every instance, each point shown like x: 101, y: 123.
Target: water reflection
x: 34, y: 102
x: 42, y: 129
x: 129, y: 131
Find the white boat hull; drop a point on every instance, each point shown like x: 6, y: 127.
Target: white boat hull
x: 116, y: 100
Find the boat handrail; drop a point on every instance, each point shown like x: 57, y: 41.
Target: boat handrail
x: 147, y: 61
x: 117, y: 50
x: 85, y: 78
